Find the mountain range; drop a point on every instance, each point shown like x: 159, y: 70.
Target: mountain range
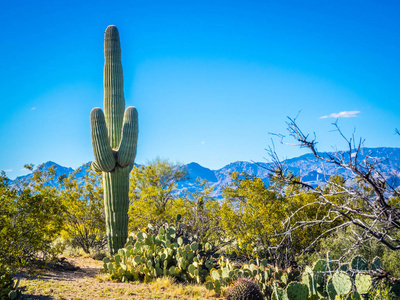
x: 306, y: 166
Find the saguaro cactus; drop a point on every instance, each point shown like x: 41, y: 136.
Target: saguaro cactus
x: 114, y: 140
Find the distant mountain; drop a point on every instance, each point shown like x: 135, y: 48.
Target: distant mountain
x: 316, y: 172
x: 60, y: 170
x: 311, y: 170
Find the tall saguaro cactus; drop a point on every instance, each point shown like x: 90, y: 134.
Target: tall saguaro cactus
x: 114, y: 140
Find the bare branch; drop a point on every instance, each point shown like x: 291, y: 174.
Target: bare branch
x: 362, y: 200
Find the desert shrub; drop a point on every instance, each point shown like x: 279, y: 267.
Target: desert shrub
x: 257, y: 216
x: 30, y: 220
x: 84, y: 215
x: 71, y: 251
x: 8, y: 288
x: 153, y: 194
x: 155, y: 199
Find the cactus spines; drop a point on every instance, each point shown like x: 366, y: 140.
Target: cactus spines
x: 114, y: 139
x: 244, y: 289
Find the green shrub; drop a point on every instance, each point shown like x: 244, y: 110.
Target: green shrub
x: 30, y: 220
x: 8, y: 289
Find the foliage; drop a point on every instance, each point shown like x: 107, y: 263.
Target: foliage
x: 382, y: 292
x: 202, y: 222
x: 153, y: 194
x: 30, y: 219
x: 248, y: 213
x: 84, y: 216
x: 154, y: 200
x: 254, y: 214
x: 8, y: 289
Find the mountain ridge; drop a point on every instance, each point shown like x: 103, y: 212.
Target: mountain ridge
x: 311, y: 170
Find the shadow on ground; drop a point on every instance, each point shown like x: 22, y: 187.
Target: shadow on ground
x: 64, y: 276
x: 62, y: 270
x: 34, y: 297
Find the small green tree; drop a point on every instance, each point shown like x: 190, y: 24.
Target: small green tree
x: 31, y: 217
x: 153, y: 193
x: 203, y: 220
x: 84, y: 215
x: 246, y: 213
x: 258, y: 216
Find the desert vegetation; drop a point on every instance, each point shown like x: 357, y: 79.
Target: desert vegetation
x: 287, y: 238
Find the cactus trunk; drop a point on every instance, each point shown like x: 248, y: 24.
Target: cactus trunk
x: 114, y: 140
x: 116, y: 203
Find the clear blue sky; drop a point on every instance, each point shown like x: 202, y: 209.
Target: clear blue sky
x: 210, y: 79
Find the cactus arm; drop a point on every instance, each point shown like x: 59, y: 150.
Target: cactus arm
x: 114, y: 101
x: 102, y: 151
x: 95, y: 167
x: 127, y: 147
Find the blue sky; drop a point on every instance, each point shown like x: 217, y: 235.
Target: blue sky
x: 210, y: 79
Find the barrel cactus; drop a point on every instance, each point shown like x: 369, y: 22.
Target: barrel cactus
x: 114, y: 139
x: 244, y: 289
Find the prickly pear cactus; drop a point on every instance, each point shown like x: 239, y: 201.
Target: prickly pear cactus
x: 376, y: 264
x: 321, y: 271
x: 114, y: 140
x: 297, y: 291
x: 363, y: 283
x: 244, y: 289
x: 330, y: 289
x: 359, y: 263
x: 279, y: 294
x: 342, y: 283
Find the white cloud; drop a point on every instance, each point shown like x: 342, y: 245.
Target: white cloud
x: 202, y: 142
x: 342, y: 114
x: 33, y: 108
x: 9, y: 170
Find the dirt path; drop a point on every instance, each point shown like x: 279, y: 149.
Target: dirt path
x: 88, y: 283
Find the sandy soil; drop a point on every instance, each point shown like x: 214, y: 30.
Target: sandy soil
x: 88, y: 283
